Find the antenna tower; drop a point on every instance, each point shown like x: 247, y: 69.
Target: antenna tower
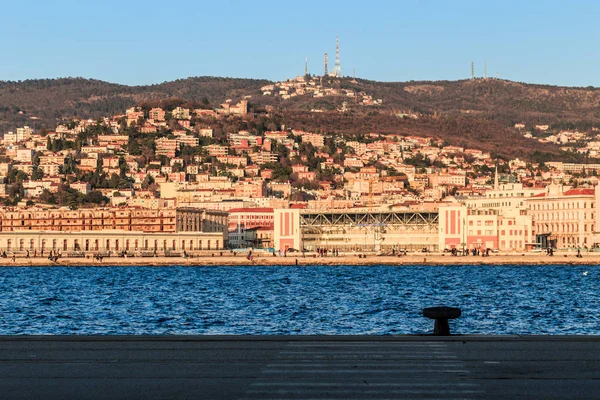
x: 472, y: 70
x: 306, y: 67
x: 485, y: 69
x: 338, y: 68
x: 326, y: 68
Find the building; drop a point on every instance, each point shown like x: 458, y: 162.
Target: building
x: 156, y: 114
x: 242, y: 219
x: 364, y: 230
x: 82, y: 187
x: 181, y: 113
x: 564, y: 217
x: 166, y: 147
x: 112, y: 229
x: 287, y: 230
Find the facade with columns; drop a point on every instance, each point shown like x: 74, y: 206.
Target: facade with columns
x: 112, y: 229
x: 564, y: 217
x: 115, y: 241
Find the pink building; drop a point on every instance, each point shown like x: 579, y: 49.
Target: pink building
x: 286, y: 231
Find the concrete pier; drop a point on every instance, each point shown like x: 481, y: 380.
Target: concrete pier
x: 299, y: 367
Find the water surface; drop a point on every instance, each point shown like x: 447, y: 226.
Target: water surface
x: 373, y: 300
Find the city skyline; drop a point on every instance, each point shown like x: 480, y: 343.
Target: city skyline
x: 140, y: 43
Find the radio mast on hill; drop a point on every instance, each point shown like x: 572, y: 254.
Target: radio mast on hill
x: 472, y: 70
x: 338, y: 68
x: 306, y: 67
x: 326, y: 68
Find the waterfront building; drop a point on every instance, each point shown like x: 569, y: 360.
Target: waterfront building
x: 364, y: 230
x: 499, y: 219
x: 243, y: 219
x: 565, y: 217
x: 287, y: 230
x: 112, y: 229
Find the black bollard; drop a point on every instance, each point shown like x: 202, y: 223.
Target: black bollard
x: 441, y: 315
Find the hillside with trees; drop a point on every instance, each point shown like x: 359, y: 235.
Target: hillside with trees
x: 476, y: 113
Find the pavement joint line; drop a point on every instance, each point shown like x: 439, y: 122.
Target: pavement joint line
x: 368, y: 391
x: 366, y: 371
x: 375, y: 384
x: 358, y: 365
x: 374, y: 357
x: 440, y: 353
x: 362, y: 398
x: 362, y: 344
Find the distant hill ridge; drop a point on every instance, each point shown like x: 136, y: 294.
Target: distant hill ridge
x: 500, y: 103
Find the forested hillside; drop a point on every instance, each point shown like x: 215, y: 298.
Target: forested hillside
x: 475, y: 113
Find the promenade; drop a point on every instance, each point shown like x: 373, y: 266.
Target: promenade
x: 296, y: 367
x: 227, y: 259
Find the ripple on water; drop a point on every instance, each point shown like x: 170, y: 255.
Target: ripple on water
x: 303, y: 300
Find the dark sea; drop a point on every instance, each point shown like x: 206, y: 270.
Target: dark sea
x: 323, y: 300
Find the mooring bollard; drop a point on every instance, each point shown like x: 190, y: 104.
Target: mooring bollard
x: 441, y: 315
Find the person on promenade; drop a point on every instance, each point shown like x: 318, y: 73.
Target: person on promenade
x: 579, y: 253
x: 27, y: 255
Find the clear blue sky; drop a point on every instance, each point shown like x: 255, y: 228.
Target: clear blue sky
x: 144, y: 42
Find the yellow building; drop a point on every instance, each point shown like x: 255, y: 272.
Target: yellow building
x: 564, y: 217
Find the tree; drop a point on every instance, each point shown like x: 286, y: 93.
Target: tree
x: 95, y: 197
x: 37, y: 174
x: 113, y: 181
x: 47, y: 197
x: 148, y: 180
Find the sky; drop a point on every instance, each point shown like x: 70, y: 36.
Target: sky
x: 147, y: 42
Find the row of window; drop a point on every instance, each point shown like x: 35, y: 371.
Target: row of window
x: 557, y: 206
x: 562, y: 216
x: 94, y: 245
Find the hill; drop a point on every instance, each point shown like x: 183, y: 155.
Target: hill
x: 475, y: 113
x: 48, y: 100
